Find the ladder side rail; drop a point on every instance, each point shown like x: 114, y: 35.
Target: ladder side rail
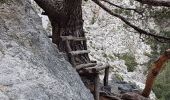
x: 71, y: 57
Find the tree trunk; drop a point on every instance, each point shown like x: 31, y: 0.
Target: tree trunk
x: 157, y: 66
x: 66, y: 19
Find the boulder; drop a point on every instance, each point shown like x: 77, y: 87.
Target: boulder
x: 31, y: 67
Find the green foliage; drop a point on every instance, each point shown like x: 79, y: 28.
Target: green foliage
x: 123, y: 11
x: 119, y: 77
x: 111, y: 57
x: 118, y: 11
x: 160, y: 14
x: 167, y: 95
x: 93, y: 20
x: 104, y: 55
x: 162, y: 84
x: 130, y: 62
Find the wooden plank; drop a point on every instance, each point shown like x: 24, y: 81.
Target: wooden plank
x: 97, y: 68
x: 106, y: 76
x: 89, y: 69
x: 78, y: 67
x: 64, y: 38
x: 79, y: 52
x: 96, y: 87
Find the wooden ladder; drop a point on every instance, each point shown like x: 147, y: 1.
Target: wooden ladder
x: 89, y: 68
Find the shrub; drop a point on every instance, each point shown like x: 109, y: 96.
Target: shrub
x: 129, y: 62
x: 162, y: 84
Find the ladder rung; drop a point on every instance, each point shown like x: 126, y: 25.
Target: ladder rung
x: 97, y: 68
x: 79, y: 52
x: 64, y: 38
x: 78, y: 67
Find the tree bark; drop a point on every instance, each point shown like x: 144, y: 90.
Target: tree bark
x: 158, y: 65
x: 66, y: 19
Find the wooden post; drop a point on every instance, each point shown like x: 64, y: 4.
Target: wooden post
x: 71, y: 58
x: 96, y: 87
x: 81, y: 66
x: 105, y: 80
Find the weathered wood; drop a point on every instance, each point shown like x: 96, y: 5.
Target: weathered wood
x: 71, y: 58
x: 78, y: 67
x: 97, y: 68
x: 64, y: 38
x: 154, y: 71
x: 65, y: 21
x: 106, y: 76
x: 96, y: 87
x: 85, y: 44
x: 90, y: 69
x: 79, y: 52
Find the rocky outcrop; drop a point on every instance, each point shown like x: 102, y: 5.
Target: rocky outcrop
x: 31, y: 67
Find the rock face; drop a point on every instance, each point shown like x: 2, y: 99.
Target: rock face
x: 31, y: 67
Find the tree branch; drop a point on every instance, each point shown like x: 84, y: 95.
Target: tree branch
x: 154, y: 71
x: 135, y: 10
x: 141, y: 31
x: 165, y: 3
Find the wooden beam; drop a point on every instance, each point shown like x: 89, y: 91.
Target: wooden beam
x: 106, y: 76
x: 64, y: 38
x: 71, y: 58
x: 79, y: 52
x: 97, y: 68
x: 78, y: 67
x: 100, y: 68
x: 90, y: 69
x: 96, y: 87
